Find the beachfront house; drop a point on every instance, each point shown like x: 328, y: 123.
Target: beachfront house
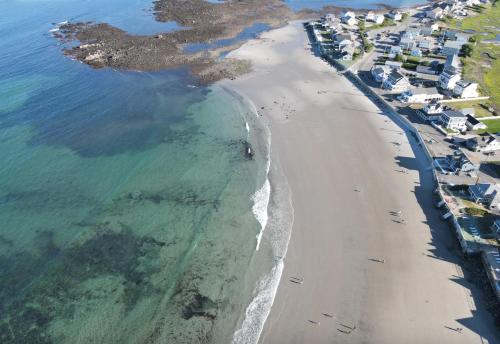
x: 396, y: 82
x: 431, y: 112
x: 483, y: 143
x: 486, y: 193
x: 474, y: 124
x: 420, y: 95
x: 465, y: 89
x: 380, y: 73
x: 348, y: 17
x: 395, y: 15
x: 451, y: 48
x: 370, y: 16
x: 347, y: 52
x: 332, y: 22
x: 341, y: 40
x: 460, y: 163
x: 454, y: 120
x: 429, y: 29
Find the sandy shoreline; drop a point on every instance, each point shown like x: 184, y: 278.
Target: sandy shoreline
x: 342, y: 157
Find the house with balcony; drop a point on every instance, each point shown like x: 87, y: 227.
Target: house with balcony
x: 380, y: 73
x: 431, y: 111
x: 454, y: 120
x: 420, y: 95
x: 395, y: 15
x: 396, y: 82
x: 460, y: 164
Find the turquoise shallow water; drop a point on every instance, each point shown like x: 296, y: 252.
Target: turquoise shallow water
x: 125, y: 198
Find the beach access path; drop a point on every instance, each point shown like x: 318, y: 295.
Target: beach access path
x: 370, y: 275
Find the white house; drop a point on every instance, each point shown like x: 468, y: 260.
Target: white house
x: 378, y: 19
x: 424, y: 44
x: 465, y: 89
x: 448, y: 81
x: 341, y: 40
x: 396, y: 82
x: 348, y: 17
x: 454, y: 120
x: 347, y: 52
x: 395, y: 15
x: 474, y: 124
x: 380, y: 73
x: 370, y: 16
x: 485, y: 193
x: 431, y: 111
x: 420, y: 95
x: 407, y: 43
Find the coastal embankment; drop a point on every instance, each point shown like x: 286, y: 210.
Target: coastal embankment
x: 369, y: 260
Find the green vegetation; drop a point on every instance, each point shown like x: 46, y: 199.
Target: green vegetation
x: 475, y: 211
x: 466, y: 50
x: 483, y: 64
x: 480, y: 108
x: 493, y: 125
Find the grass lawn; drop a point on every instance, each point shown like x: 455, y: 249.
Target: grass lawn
x: 476, y: 105
x: 493, y: 125
x: 484, y: 64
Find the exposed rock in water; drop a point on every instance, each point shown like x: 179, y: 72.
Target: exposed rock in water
x: 102, y: 45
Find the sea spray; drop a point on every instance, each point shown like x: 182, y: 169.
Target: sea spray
x: 261, y: 202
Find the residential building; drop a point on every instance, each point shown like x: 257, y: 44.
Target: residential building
x: 452, y: 64
x: 407, y: 43
x: 454, y: 120
x: 448, y: 81
x: 347, y: 52
x: 378, y: 19
x: 394, y: 64
x: 342, y: 39
x: 396, y: 82
x: 416, y: 52
x: 435, y: 13
x: 370, y: 16
x: 395, y: 50
x: 460, y: 163
x: 473, y: 124
x: 486, y: 193
x: 424, y: 44
x: 465, y: 89
x: 496, y: 228
x: 420, y: 95
x: 462, y: 38
x: 451, y: 48
x: 483, y: 143
x: 348, y: 17
x: 332, y: 22
x: 380, y: 73
x: 395, y: 15
x: 431, y: 111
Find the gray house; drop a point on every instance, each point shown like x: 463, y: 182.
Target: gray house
x: 485, y: 193
x: 460, y: 163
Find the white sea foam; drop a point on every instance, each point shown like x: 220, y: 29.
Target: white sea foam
x: 247, y: 127
x: 260, y: 307
x: 54, y: 29
x: 261, y: 202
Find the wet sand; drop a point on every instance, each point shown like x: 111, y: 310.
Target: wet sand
x: 376, y: 278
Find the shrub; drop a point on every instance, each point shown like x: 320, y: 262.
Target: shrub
x: 466, y: 50
x: 475, y: 211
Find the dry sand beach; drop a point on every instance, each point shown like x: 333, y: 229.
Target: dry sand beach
x: 377, y: 279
